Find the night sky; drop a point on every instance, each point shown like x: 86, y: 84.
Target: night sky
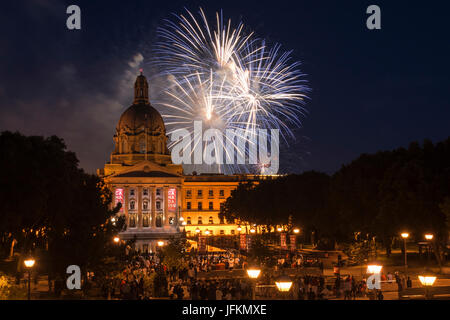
x: 371, y: 90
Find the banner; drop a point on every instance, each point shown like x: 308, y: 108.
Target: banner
x: 172, y: 199
x: 293, y: 244
x: 243, y: 241
x: 118, y: 197
x: 283, y: 240
x: 202, y: 244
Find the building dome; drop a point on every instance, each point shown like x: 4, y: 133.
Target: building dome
x: 140, y: 117
x: 140, y: 129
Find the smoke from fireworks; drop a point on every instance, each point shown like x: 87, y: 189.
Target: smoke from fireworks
x: 226, y: 79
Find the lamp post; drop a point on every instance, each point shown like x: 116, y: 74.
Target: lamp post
x: 427, y: 281
x: 116, y: 239
x: 374, y: 269
x: 207, y: 233
x: 29, y: 263
x: 253, y: 274
x: 429, y: 237
x: 284, y: 284
x: 405, y: 236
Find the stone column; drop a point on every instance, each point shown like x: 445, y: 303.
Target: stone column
x: 152, y: 191
x: 166, y: 207
x: 126, y: 191
x: 139, y: 207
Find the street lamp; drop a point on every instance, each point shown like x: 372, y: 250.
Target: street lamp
x: 405, y: 236
x: 296, y: 230
x: 427, y: 281
x: 279, y: 229
x: 29, y: 263
x: 160, y: 243
x: 116, y: 239
x: 374, y: 269
x: 429, y: 237
x: 253, y: 274
x: 283, y: 283
x: 239, y: 228
x: 252, y: 230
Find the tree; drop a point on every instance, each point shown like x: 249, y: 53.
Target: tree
x: 50, y: 206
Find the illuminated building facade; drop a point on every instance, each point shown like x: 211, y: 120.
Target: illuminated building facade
x: 160, y: 202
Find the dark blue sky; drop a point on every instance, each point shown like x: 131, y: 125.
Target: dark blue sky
x: 371, y: 90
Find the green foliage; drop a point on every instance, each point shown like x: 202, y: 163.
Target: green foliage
x: 173, y: 253
x: 9, y: 290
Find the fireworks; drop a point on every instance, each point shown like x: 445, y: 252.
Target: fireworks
x: 226, y: 79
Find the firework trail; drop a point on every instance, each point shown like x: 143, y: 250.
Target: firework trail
x: 227, y: 79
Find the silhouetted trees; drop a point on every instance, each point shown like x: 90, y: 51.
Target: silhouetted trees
x: 50, y: 206
x: 377, y: 195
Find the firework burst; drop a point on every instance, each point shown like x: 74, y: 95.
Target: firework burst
x: 227, y: 79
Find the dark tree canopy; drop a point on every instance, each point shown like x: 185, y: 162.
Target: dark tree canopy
x: 48, y: 204
x: 378, y: 195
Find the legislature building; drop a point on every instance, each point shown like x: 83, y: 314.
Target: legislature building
x: 158, y: 201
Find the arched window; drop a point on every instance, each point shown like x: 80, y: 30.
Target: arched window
x: 145, y: 205
x: 124, y: 146
x: 211, y: 220
x: 142, y: 146
x: 188, y: 220
x: 133, y: 220
x: 145, y: 221
x: 132, y: 205
x: 200, y: 220
x: 159, y: 217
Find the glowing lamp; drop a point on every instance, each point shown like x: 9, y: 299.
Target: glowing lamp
x: 296, y: 230
x: 197, y: 230
x: 429, y: 237
x: 29, y: 263
x: 374, y: 269
x: 405, y: 235
x: 253, y: 273
x: 427, y: 281
x: 279, y: 229
x: 252, y: 230
x: 239, y: 228
x: 116, y: 239
x: 283, y: 283
x: 160, y: 243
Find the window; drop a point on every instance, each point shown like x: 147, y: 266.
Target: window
x: 159, y: 218
x: 222, y: 206
x: 200, y: 206
x: 199, y: 193
x: 131, y: 192
x: 145, y: 221
x: 158, y: 205
x: 188, y: 193
x: 171, y: 220
x: 211, y: 220
x: 211, y: 205
x: 222, y: 232
x: 188, y: 220
x: 222, y: 193
x: 142, y: 146
x: 158, y: 191
x: 132, y: 220
x: 199, y: 220
x: 211, y: 193
x: 145, y: 192
x: 188, y: 205
x: 221, y: 221
x: 132, y: 205
x: 145, y: 248
x: 232, y: 232
x: 145, y: 205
